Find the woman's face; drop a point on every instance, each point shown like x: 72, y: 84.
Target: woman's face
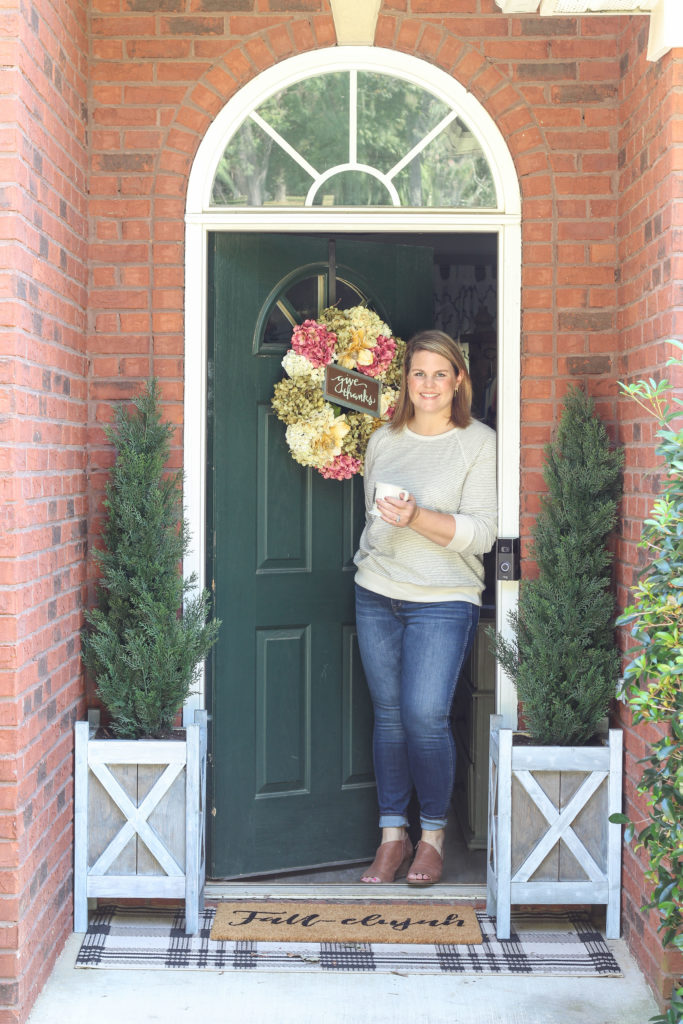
x: 432, y: 382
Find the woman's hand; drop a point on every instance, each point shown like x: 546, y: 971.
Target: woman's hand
x: 439, y: 527
x: 398, y: 512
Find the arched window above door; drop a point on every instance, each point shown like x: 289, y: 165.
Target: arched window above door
x: 354, y: 138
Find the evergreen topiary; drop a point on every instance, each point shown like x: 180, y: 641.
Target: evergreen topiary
x: 141, y: 649
x: 562, y: 655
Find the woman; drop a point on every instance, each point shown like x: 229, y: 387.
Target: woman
x: 418, y: 590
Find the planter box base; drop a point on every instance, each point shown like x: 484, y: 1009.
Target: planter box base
x: 549, y: 838
x: 140, y: 820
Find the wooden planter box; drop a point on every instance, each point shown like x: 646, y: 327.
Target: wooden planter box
x: 140, y: 820
x: 550, y: 840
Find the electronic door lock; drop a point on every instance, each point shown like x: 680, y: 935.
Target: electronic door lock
x: 507, y: 558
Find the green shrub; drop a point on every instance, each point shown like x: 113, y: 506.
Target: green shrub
x: 144, y: 641
x: 562, y: 655
x: 656, y: 673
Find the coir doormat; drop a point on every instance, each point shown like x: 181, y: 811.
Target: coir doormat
x: 541, y: 943
x: 326, y: 921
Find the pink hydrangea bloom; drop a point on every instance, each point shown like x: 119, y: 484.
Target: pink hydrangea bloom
x: 343, y: 467
x: 315, y: 342
x: 382, y: 354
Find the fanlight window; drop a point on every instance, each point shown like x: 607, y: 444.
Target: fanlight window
x: 354, y: 138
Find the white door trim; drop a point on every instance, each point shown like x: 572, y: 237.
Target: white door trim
x: 505, y: 222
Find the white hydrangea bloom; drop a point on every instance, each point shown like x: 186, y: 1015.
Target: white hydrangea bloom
x: 295, y: 365
x: 360, y: 316
x: 317, y: 441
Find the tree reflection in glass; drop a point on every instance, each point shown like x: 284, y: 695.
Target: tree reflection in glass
x: 350, y: 138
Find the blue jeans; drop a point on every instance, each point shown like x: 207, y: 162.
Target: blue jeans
x: 412, y: 654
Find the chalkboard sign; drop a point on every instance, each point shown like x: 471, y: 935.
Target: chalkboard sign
x: 353, y: 390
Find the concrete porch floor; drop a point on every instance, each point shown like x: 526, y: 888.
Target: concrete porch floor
x: 82, y: 996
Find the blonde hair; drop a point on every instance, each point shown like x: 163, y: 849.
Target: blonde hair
x: 442, y: 345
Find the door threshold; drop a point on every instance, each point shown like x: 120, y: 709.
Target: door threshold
x: 396, y: 890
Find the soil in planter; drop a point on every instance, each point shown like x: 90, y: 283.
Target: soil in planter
x: 105, y: 733
x: 525, y: 739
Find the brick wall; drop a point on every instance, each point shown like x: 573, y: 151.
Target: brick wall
x: 158, y: 80
x: 572, y: 96
x: 42, y: 480
x: 650, y: 295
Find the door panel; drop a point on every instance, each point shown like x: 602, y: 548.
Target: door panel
x: 291, y: 778
x: 283, y: 711
x: 283, y: 529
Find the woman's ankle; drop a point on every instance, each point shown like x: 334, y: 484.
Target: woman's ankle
x: 435, y: 838
x: 393, y: 834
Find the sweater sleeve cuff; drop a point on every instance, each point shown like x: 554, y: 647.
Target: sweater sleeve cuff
x: 464, y: 533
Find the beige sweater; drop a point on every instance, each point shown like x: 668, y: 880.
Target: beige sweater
x: 453, y: 473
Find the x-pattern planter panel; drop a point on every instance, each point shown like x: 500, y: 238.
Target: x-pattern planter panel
x: 139, y: 821
x: 550, y: 840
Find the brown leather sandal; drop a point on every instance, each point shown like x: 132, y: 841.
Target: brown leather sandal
x: 428, y: 861
x: 391, y: 861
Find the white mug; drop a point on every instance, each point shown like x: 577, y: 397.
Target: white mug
x: 387, y: 490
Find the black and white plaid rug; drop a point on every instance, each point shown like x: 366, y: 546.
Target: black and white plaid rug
x: 547, y: 943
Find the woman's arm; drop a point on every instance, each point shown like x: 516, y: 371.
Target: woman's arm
x: 438, y: 527
x: 471, y: 530
x: 476, y: 520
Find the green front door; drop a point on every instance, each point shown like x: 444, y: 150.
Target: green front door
x: 291, y: 760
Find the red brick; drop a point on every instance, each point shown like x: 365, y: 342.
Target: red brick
x: 451, y: 48
x: 302, y: 35
x: 409, y: 31
x: 468, y: 65
x: 385, y: 32
x: 245, y: 24
x: 443, y: 7
x: 280, y: 41
x: 431, y: 40
x: 516, y: 49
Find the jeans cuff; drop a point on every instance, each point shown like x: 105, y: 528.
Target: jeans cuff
x: 432, y: 824
x: 393, y: 821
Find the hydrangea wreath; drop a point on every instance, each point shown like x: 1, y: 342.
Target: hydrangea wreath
x: 319, y: 433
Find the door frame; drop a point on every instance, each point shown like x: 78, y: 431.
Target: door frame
x: 505, y: 222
